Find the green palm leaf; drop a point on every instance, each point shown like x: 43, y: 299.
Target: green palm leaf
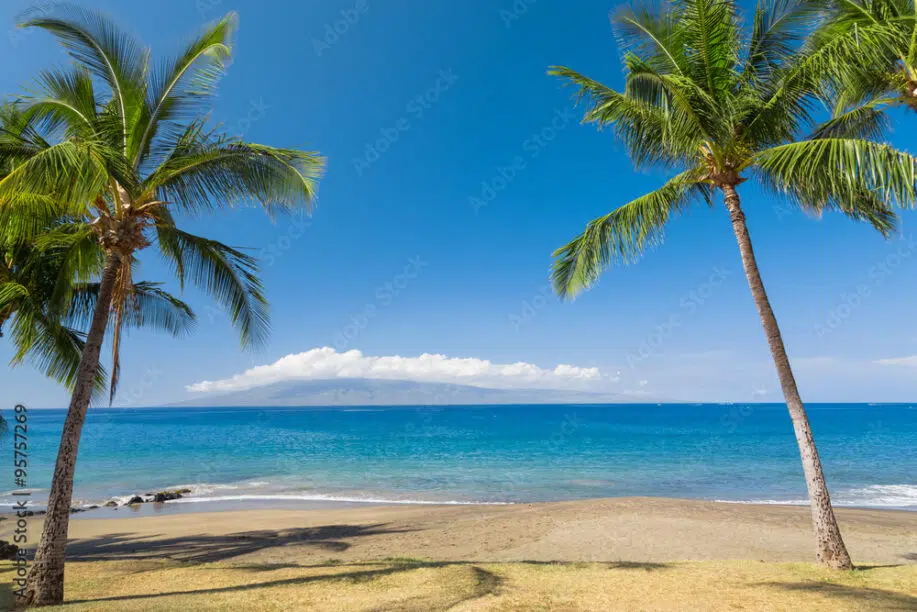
x: 623, y: 235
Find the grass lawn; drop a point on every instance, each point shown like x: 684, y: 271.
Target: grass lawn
x: 411, y: 584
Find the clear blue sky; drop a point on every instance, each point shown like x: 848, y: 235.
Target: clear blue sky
x: 485, y: 67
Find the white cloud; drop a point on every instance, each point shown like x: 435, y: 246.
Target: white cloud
x: 327, y: 363
x: 900, y: 361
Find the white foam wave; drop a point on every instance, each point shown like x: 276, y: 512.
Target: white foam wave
x: 765, y: 502
x: 334, y: 498
x: 897, y: 495
x: 874, y: 496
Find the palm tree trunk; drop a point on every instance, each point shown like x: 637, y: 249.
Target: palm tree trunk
x: 45, y: 584
x: 830, y: 549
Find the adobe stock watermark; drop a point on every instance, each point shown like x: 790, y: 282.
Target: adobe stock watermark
x: 335, y: 30
x: 730, y: 421
x: 877, y: 274
x: 384, y: 296
x: 688, y: 304
x: 206, y: 7
x: 256, y: 111
x: 298, y: 226
x: 138, y: 390
x: 414, y: 110
x: 531, y: 306
x: 515, y: 12
x: 532, y: 147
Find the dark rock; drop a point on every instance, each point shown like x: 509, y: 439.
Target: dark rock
x: 77, y: 510
x: 185, y: 491
x: 164, y: 496
x: 111, y: 504
x: 8, y: 551
x: 136, y: 499
x: 93, y: 507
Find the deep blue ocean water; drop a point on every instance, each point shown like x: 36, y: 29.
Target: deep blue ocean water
x: 739, y: 453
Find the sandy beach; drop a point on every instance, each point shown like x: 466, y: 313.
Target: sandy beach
x: 628, y: 529
x: 605, y: 554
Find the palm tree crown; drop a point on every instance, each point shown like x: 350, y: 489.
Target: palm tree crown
x: 719, y: 106
x: 117, y: 147
x: 882, y: 34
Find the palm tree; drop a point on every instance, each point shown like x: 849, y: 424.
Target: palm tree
x: 719, y: 106
x: 119, y: 147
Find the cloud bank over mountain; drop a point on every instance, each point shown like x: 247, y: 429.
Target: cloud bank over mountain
x: 327, y: 364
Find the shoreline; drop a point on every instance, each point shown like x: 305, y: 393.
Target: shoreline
x: 250, y: 503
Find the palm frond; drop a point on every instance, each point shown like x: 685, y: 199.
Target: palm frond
x: 654, y: 130
x: 654, y: 35
x: 780, y: 27
x: 867, y: 121
x: 623, y: 235
x: 109, y: 52
x: 842, y: 174
x: 711, y: 44
x: 204, y: 171
x: 182, y: 86
x: 227, y: 274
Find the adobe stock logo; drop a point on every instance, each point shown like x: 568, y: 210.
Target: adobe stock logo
x: 414, y: 111
x: 337, y: 29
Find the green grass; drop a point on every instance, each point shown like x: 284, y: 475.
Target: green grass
x: 420, y: 585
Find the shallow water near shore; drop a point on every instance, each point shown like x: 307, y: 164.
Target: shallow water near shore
x: 235, y: 458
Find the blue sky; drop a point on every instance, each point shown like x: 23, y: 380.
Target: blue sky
x: 458, y: 95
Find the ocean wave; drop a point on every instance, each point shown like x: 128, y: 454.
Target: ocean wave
x: 333, y: 498
x: 766, y: 502
x: 873, y: 496
x: 897, y: 495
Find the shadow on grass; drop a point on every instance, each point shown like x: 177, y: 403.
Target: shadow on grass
x: 485, y: 582
x: 7, y: 595
x: 869, y: 598
x: 208, y: 548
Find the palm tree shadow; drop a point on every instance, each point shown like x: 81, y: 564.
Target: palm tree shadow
x: 485, y: 582
x: 868, y: 598
x: 7, y: 596
x: 210, y: 548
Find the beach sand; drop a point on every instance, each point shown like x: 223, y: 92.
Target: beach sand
x: 629, y: 529
x: 610, y: 554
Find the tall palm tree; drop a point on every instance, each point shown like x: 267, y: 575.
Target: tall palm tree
x: 719, y: 106
x: 119, y: 148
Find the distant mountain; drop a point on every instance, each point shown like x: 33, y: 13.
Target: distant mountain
x: 364, y: 392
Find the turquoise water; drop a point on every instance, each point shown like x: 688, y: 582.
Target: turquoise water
x: 458, y: 454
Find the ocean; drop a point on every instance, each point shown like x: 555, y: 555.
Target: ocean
x: 476, y: 454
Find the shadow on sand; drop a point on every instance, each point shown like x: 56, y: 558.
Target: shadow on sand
x: 207, y: 548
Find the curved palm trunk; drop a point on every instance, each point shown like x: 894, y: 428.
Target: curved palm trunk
x: 830, y: 549
x: 45, y: 584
